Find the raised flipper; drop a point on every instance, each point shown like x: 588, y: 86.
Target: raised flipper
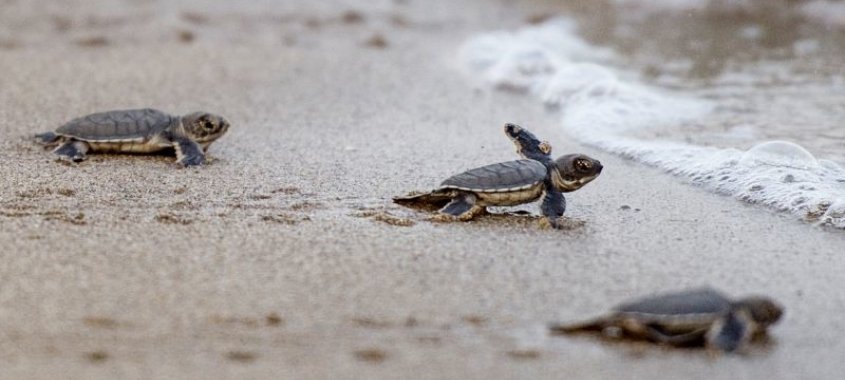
x: 553, y: 207
x: 731, y: 332
x: 188, y: 153
x: 527, y: 145
x: 73, y: 151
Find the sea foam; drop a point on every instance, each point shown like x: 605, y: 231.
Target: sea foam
x: 603, y: 108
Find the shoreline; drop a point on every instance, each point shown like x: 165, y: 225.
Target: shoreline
x: 264, y: 263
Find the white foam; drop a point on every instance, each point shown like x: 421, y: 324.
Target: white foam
x: 665, y: 5
x: 827, y: 12
x: 523, y: 58
x: 600, y: 109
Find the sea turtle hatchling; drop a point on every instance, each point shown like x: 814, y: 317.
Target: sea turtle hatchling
x: 137, y: 131
x: 696, y: 317
x: 463, y: 196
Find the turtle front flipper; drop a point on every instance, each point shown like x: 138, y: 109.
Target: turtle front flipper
x: 73, y: 151
x: 553, y: 206
x: 188, y: 152
x: 731, y: 332
x: 527, y: 145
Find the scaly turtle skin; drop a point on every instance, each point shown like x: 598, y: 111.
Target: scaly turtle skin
x: 463, y: 196
x: 137, y: 131
x: 697, y: 317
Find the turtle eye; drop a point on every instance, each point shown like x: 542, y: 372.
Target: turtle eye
x: 206, y: 125
x: 583, y: 165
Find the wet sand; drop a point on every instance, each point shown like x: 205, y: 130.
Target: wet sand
x: 285, y: 258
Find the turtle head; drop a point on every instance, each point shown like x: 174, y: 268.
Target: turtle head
x: 763, y: 310
x: 528, y: 145
x: 574, y: 171
x: 204, y: 127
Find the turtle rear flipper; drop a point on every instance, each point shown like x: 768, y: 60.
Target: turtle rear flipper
x: 592, y: 325
x: 423, y: 201
x: 47, y: 138
x: 463, y: 207
x: 630, y: 328
x: 459, y: 205
x: 657, y: 333
x: 690, y: 339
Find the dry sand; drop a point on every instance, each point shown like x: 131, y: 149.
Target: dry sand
x: 284, y: 258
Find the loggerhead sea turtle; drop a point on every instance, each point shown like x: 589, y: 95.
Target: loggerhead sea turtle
x: 696, y: 317
x: 463, y: 196
x: 137, y: 131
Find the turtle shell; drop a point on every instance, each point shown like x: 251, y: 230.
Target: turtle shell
x: 508, y: 176
x: 690, y: 308
x: 117, y: 126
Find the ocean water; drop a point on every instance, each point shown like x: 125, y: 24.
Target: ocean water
x: 764, y: 124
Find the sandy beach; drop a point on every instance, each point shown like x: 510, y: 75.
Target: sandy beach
x: 285, y: 258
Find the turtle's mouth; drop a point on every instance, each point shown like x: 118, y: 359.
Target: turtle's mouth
x: 215, y: 135
x: 568, y: 183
